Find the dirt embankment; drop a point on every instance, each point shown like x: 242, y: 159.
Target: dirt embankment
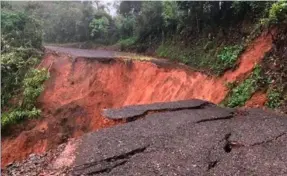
x: 80, y: 88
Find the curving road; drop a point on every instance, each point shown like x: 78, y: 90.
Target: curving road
x: 88, y: 53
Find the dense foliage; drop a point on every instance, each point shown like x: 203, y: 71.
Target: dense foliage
x: 21, y: 41
x: 18, y: 29
x: 207, y: 35
x: 62, y: 21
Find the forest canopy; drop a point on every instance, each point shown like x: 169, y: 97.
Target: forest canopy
x: 142, y: 21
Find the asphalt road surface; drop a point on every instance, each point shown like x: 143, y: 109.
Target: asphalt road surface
x: 185, y: 138
x: 87, y: 53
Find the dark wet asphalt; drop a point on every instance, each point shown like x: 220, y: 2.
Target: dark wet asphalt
x: 193, y: 139
x: 88, y: 53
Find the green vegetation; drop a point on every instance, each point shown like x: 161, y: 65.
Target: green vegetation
x: 15, y: 116
x: 200, y: 34
x: 207, y: 35
x: 126, y: 43
x: 19, y: 30
x: 150, y: 23
x: 33, y: 86
x: 21, y: 84
x: 274, y: 98
x: 214, y: 59
x: 99, y: 27
x: 241, y: 93
x: 62, y: 21
x: 227, y: 57
x: 174, y: 52
x: 14, y: 66
x: 276, y: 14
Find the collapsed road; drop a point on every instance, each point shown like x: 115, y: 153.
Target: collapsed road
x: 153, y: 122
x: 191, y: 137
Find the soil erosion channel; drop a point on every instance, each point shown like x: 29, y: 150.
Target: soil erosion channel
x: 84, y: 82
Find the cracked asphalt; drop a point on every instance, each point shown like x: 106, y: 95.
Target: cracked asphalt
x: 185, y: 138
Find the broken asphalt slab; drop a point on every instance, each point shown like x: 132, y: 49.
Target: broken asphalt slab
x: 136, y: 111
x: 197, y: 138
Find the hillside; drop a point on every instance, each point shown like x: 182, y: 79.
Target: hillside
x: 159, y: 87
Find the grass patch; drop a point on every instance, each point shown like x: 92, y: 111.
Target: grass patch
x: 133, y: 56
x: 243, y: 92
x: 205, y: 55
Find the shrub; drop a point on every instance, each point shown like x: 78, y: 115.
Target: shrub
x: 227, y: 57
x: 274, y: 98
x: 240, y: 94
x: 14, y: 116
x: 277, y: 14
x: 14, y: 66
x: 126, y: 43
x: 33, y: 86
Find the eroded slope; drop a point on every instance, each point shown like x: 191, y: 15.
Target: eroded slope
x: 80, y: 87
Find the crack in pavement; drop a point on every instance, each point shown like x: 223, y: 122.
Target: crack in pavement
x: 212, y: 163
x: 217, y: 118
x: 148, y: 112
x: 234, y: 144
x: 230, y: 145
x: 134, y: 112
x: 108, y: 164
x: 269, y: 140
x: 107, y: 169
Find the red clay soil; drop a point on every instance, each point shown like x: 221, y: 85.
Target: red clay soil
x: 77, y: 91
x: 252, y: 56
x: 258, y: 99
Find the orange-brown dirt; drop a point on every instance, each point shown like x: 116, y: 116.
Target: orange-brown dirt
x: 258, y: 99
x: 78, y: 90
x: 252, y: 56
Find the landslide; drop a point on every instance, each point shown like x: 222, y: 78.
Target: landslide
x: 80, y: 88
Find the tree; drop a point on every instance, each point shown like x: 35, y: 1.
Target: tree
x: 99, y: 27
x: 130, y: 7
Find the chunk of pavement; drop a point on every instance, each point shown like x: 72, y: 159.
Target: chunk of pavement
x: 133, y: 111
x: 174, y: 142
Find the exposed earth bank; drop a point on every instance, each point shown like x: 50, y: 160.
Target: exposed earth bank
x: 84, y: 82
